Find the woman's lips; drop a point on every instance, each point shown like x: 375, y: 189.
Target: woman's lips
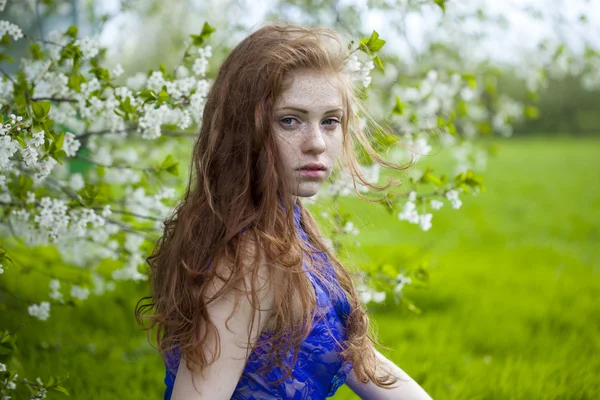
x: 312, y: 173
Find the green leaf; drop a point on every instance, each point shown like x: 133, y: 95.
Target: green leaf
x: 372, y: 44
x: 41, y: 109
x: 6, y: 57
x: 207, y: 30
x: 101, y: 73
x: 60, y: 141
x: 377, y: 45
x: 58, y: 155
x: 72, y: 31
x: 399, y: 107
x: 532, y: 112
x: 60, y: 389
x: 75, y: 82
x: 36, y: 51
x: 170, y: 165
x: 441, y: 4
x: 163, y: 95
x: 378, y: 62
x: 148, y: 95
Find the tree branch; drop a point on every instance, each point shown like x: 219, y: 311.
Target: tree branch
x: 11, y: 332
x: 8, y: 76
x: 57, y: 99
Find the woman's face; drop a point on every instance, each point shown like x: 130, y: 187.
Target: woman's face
x: 308, y: 130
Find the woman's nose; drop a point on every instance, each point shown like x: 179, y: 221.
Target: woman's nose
x: 314, y: 141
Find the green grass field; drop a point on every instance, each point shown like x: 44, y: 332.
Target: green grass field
x: 511, y: 311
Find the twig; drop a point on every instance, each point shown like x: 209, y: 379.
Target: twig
x: 185, y: 54
x: 35, y: 39
x: 8, y: 76
x: 129, y: 213
x: 57, y: 99
x: 11, y: 332
x: 85, y: 135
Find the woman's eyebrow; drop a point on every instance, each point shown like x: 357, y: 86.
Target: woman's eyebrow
x: 303, y: 111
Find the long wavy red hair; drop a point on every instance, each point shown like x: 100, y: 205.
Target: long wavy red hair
x: 235, y: 184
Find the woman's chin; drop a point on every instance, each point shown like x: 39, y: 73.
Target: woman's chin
x: 308, y: 189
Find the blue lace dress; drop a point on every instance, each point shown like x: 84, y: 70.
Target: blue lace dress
x: 319, y: 370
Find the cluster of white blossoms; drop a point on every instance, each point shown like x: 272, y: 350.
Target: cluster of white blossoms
x: 368, y: 294
x: 401, y: 281
x: 55, y: 294
x: 350, y: 228
x: 84, y: 236
x: 359, y: 71
x: 343, y: 185
x: 40, y: 311
x: 88, y: 46
x: 12, y: 384
x: 452, y: 196
x: 9, y: 28
x: 409, y: 211
x: 201, y: 63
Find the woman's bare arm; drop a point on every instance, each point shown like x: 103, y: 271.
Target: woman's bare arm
x: 219, y: 380
x: 404, y: 389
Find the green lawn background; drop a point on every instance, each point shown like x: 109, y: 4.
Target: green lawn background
x: 511, y: 311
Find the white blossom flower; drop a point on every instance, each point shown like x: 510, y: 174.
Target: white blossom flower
x: 79, y: 292
x: 117, y: 71
x: 2, y: 5
x: 156, y: 81
x: 76, y: 181
x: 2, y: 366
x: 30, y: 156
x: 379, y: 297
x: 106, y: 211
x: 401, y: 281
x: 418, y: 147
x: 185, y: 120
x: 55, y: 287
x: 350, y: 228
x: 452, y: 196
x: 1, y: 269
x: 137, y: 81
x: 88, y: 46
x: 409, y: 213
x: 41, y: 311
x: 200, y: 66
x: 436, y: 204
x: 10, y: 29
x: 425, y: 221
x: 38, y: 139
x: 367, y: 294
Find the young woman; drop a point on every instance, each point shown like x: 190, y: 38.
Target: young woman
x: 247, y: 300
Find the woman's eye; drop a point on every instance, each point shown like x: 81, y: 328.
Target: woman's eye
x: 331, y: 121
x: 287, y: 120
